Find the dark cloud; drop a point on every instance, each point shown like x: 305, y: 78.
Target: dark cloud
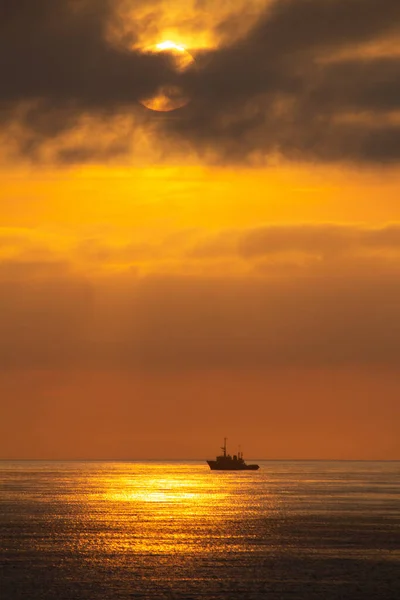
x: 272, y: 90
x: 57, y: 52
x: 358, y: 85
x: 291, y: 26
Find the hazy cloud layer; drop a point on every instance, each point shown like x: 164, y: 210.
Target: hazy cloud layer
x: 277, y: 88
x: 168, y: 323
x: 323, y: 240
x: 343, y: 309
x: 30, y: 252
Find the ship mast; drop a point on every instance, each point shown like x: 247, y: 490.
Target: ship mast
x: 224, y: 447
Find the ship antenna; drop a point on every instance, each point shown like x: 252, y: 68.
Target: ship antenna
x: 224, y: 446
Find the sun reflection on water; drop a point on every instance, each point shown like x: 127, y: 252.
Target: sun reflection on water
x: 162, y: 489
x: 165, y: 509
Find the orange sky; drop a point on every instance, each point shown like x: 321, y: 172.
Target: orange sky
x: 195, y: 286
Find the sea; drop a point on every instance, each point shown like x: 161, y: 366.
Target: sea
x: 176, y: 530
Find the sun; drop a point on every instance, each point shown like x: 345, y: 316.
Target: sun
x: 170, y: 96
x: 168, y: 45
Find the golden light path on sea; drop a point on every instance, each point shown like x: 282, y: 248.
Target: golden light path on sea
x: 166, y: 509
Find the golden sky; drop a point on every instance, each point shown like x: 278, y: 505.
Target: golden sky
x: 230, y: 268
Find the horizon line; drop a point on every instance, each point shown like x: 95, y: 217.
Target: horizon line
x: 195, y: 459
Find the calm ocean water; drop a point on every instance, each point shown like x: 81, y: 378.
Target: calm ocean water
x: 109, y: 530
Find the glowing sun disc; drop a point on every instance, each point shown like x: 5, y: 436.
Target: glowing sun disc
x: 170, y: 96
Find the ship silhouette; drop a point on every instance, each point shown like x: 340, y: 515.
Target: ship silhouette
x: 226, y: 462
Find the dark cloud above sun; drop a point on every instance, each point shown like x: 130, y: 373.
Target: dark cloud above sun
x: 305, y: 79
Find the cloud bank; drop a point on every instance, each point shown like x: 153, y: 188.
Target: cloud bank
x: 301, y: 82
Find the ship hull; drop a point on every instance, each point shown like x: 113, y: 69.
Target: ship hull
x: 215, y: 466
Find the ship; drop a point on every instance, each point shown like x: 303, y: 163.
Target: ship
x: 226, y: 462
